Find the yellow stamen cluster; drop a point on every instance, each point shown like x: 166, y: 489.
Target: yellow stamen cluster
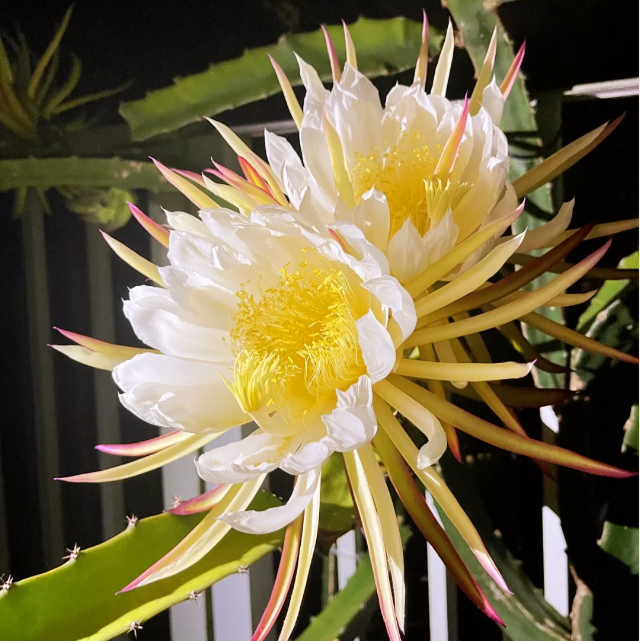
x: 405, y: 175
x: 297, y: 342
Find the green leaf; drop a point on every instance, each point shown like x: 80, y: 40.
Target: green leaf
x: 621, y: 541
x: 331, y: 622
x: 582, y: 612
x: 48, y: 55
x: 78, y: 601
x: 336, y: 505
x: 86, y: 172
x: 631, y: 438
x: 93, y: 97
x: 610, y: 290
x: 614, y: 326
x: 383, y: 46
x: 525, y: 613
x: 66, y: 89
x: 476, y: 25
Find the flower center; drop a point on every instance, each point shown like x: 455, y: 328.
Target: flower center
x: 297, y: 343
x: 405, y: 175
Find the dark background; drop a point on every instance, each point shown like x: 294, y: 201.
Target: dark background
x: 569, y: 42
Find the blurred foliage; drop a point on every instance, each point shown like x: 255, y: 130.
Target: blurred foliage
x: 337, y: 511
x: 33, y: 97
x: 621, y: 541
x: 34, y: 105
x: 609, y: 292
x: 105, y: 207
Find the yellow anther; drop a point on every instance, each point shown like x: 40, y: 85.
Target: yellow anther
x: 296, y: 343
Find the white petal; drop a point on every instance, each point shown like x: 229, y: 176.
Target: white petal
x: 162, y: 324
x: 197, y: 295
x: 354, y: 109
x: 394, y: 296
x: 396, y: 94
x: 280, y: 152
x: 377, y: 347
x: 410, y: 110
x: 242, y: 460
x: 353, y: 423
x: 224, y: 224
x: 178, y: 394
x: 275, y: 518
x: 431, y: 452
x: 367, y: 253
x: 316, y: 156
x: 296, y: 181
x: 493, y: 101
x: 371, y: 215
x: 206, y: 263
x: 310, y: 454
x: 316, y: 92
x: 441, y: 239
x: 406, y: 253
x: 315, y: 198
x: 180, y: 221
x: 507, y: 203
x: 306, y: 458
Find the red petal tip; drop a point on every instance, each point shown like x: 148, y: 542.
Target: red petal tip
x: 492, y: 614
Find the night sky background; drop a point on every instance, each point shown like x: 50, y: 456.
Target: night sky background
x: 569, y: 42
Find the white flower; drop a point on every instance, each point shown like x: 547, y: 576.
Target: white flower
x: 418, y: 175
x: 263, y: 319
x: 290, y: 313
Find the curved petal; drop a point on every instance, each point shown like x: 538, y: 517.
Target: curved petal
x: 371, y: 215
x: 275, y: 518
x: 493, y: 101
x: 280, y: 154
x: 430, y: 453
x: 242, y: 460
x: 181, y: 221
x: 368, y: 255
x: 390, y: 293
x: 406, y: 253
x: 441, y: 239
x: 311, y: 452
x: 160, y: 322
x: 178, y: 394
x: 376, y: 345
x: 353, y: 422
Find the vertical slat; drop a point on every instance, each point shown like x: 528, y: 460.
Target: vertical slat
x: 106, y: 399
x: 347, y: 558
x: 443, y: 622
x: 556, y: 565
x: 554, y: 557
x: 42, y: 379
